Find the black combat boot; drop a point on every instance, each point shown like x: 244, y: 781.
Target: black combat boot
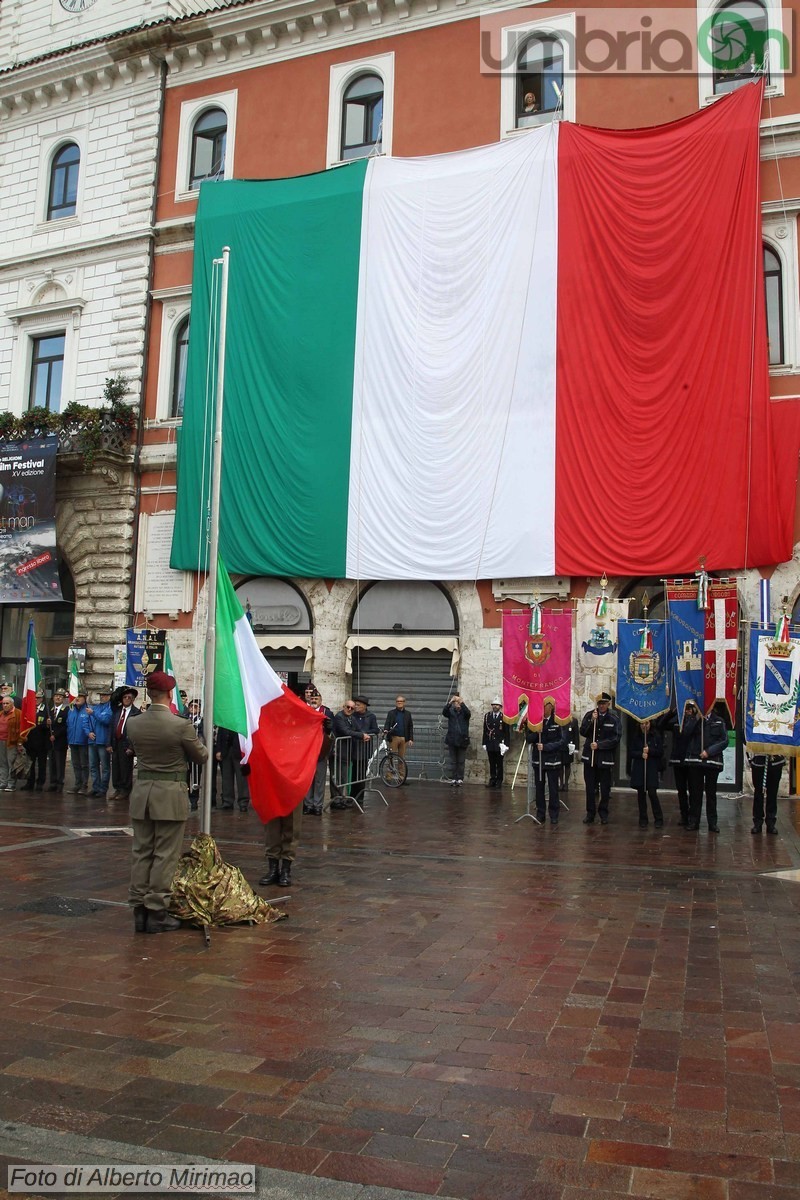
x: 272, y: 874
x: 285, y: 876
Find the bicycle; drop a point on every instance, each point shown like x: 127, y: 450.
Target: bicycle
x: 387, y: 766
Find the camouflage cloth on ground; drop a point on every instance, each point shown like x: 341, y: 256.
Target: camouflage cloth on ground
x: 208, y: 891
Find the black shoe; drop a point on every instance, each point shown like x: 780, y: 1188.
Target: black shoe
x: 489, y: 784
x: 713, y: 829
x: 540, y: 816
x: 659, y: 824
x: 772, y: 828
x: 26, y: 787
x: 337, y: 805
x: 140, y: 918
x: 161, y: 922
x: 54, y: 787
x: 604, y: 820
x: 554, y: 822
x: 643, y: 824
x: 243, y: 807
x: 285, y: 874
x: 227, y: 808
x: 192, y: 806
x: 588, y: 820
x: 272, y: 874
x: 692, y: 827
x: 756, y: 827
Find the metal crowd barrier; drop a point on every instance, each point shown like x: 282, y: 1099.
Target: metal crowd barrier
x: 356, y: 767
x: 427, y: 758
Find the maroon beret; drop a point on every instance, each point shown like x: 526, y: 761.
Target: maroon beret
x: 159, y: 681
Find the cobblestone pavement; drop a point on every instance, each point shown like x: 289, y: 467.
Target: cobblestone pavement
x: 459, y: 1005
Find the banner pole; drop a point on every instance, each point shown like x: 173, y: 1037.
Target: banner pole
x: 213, y: 551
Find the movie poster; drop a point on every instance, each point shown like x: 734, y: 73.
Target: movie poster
x: 28, y: 561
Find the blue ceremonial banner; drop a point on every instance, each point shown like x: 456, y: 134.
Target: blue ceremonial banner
x: 772, y: 720
x: 687, y: 636
x: 642, y: 674
x: 145, y: 654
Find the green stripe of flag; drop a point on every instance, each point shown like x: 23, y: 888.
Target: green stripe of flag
x: 290, y: 276
x: 229, y: 704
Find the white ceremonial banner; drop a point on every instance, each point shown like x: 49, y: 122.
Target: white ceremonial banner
x: 775, y: 693
x: 596, y: 647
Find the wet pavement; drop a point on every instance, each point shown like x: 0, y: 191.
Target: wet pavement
x: 459, y: 1005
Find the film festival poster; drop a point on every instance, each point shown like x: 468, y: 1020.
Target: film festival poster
x: 145, y: 654
x: 28, y: 559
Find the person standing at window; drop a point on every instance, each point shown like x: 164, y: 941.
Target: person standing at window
x: 457, y: 737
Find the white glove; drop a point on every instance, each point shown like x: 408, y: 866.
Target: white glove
x: 503, y: 749
x: 571, y: 747
x: 483, y: 747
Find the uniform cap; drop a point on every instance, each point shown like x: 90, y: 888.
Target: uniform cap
x: 160, y: 681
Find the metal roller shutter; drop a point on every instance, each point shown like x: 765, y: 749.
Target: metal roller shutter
x: 423, y: 677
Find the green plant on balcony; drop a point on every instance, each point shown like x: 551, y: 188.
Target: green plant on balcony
x: 81, y: 426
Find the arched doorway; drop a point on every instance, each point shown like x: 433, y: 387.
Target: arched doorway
x: 404, y: 641
x: 54, y: 626
x: 281, y: 621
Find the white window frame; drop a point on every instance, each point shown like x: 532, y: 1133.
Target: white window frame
x: 190, y: 111
x: 343, y: 74
x: 705, y: 79
x: 175, y: 307
x: 512, y: 37
x: 780, y: 234
x: 48, y: 149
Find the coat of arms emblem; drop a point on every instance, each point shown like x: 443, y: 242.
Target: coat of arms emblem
x: 537, y: 649
x: 644, y: 667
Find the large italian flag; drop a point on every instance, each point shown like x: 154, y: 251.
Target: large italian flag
x: 545, y: 356
x: 280, y: 736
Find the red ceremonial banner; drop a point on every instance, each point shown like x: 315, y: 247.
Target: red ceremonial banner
x: 721, y: 649
x: 537, y: 665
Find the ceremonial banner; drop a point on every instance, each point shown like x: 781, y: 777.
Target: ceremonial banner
x: 145, y: 654
x: 687, y: 633
x: 537, y: 665
x: 596, y: 644
x: 28, y: 562
x: 460, y: 310
x: 721, y: 648
x: 772, y: 720
x: 643, y: 669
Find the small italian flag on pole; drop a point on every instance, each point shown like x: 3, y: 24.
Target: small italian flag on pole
x: 73, y: 677
x: 33, y: 680
x: 280, y: 736
x: 646, y: 639
x: 176, y: 704
x: 782, y: 631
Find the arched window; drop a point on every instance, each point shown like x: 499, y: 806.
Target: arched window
x: 362, y: 117
x: 208, y: 147
x: 773, y: 294
x: 62, y: 197
x: 178, y: 391
x: 540, y: 81
x: 738, y: 44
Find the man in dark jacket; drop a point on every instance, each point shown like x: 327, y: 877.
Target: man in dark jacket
x: 365, y: 738
x: 228, y: 753
x: 707, y: 740
x: 546, y: 745
x: 457, y: 737
x: 122, y: 710
x: 680, y: 770
x: 496, y: 740
x: 58, y: 740
x: 315, y: 797
x: 37, y: 747
x: 342, y: 755
x: 399, y: 727
x: 602, y: 731
x: 646, y: 753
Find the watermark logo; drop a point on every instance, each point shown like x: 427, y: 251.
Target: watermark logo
x: 730, y: 44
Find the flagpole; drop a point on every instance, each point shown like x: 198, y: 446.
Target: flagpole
x: 213, y: 552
